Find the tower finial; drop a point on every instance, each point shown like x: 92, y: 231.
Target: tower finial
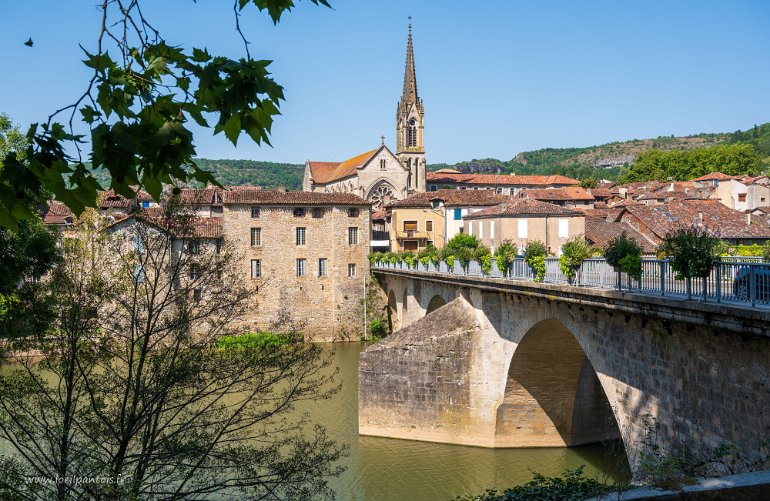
x: 410, y: 80
x: 383, y: 140
x: 410, y: 25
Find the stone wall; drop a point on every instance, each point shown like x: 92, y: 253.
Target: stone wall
x: 323, y: 307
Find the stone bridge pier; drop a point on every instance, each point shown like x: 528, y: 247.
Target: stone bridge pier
x: 479, y: 362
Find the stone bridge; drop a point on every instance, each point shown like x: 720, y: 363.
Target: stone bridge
x: 497, y: 363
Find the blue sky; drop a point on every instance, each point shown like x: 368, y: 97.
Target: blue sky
x: 496, y: 77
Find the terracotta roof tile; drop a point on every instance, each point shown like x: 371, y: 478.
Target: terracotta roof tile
x: 714, y: 176
x: 470, y: 198
x: 524, y: 207
x: 568, y: 193
x: 326, y: 172
x: 57, y: 213
x: 600, y: 232
x: 276, y: 197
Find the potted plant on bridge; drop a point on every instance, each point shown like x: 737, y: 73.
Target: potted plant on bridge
x: 573, y: 253
x: 693, y: 253
x: 624, y: 254
x: 505, y: 254
x: 534, y: 255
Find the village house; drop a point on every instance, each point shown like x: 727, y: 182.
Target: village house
x: 504, y: 184
x: 737, y: 192
x: 571, y: 196
x: 434, y: 217
x: 522, y: 220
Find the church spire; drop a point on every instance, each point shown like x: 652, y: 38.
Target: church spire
x: 410, y: 78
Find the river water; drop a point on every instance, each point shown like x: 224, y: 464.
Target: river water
x: 380, y: 469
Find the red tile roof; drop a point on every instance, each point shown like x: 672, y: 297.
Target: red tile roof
x: 601, y: 232
x: 524, y: 207
x: 573, y: 193
x: 500, y: 179
x: 380, y: 214
x: 714, y: 176
x: 278, y: 197
x: 327, y: 172
x: 717, y: 217
x: 57, y: 213
x: 199, y: 227
x: 468, y: 198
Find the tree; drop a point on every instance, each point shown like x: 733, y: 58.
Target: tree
x: 692, y: 252
x: 534, y: 255
x: 624, y: 254
x: 573, y: 253
x: 11, y: 138
x: 142, y: 93
x: 133, y: 387
x: 504, y: 255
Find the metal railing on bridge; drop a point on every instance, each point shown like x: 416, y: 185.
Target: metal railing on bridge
x: 734, y: 279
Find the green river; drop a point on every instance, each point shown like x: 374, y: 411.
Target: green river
x: 389, y: 469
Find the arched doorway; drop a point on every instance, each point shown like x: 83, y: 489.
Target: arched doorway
x: 435, y: 303
x: 553, y: 396
x: 392, y: 312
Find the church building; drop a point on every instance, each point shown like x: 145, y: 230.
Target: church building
x: 379, y: 176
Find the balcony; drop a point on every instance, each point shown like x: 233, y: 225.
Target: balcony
x: 400, y: 235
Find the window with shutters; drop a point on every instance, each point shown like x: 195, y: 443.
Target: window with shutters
x: 301, y: 267
x: 256, y: 268
x: 428, y: 225
x: 522, y: 227
x: 351, y: 270
x: 323, y: 264
x: 256, y: 237
x: 410, y: 225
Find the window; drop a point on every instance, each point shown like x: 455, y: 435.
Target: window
x: 382, y: 164
x: 433, y: 187
x: 481, y: 229
x: 146, y: 204
x: 429, y: 243
x: 435, y: 204
x: 410, y: 245
x: 322, y: 267
x: 219, y: 244
x: 741, y: 197
x: 353, y: 236
x: 499, y: 191
x: 299, y: 212
x: 351, y: 270
x: 301, y: 267
x: 318, y: 213
x: 194, y: 247
x: 563, y: 228
x: 522, y: 227
x: 197, y: 294
x: 256, y: 268
x: 353, y: 212
x: 410, y: 225
x: 195, y: 272
x: 255, y: 212
x: 492, y: 229
x: 458, y: 214
x: 256, y: 237
x: 300, y: 236
x: 428, y: 225
x: 217, y: 198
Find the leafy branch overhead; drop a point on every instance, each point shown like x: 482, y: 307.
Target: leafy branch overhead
x: 142, y: 94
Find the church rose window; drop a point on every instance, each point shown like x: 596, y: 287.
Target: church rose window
x: 380, y: 196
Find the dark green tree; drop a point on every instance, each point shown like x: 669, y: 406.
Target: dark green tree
x: 693, y: 252
x: 137, y: 104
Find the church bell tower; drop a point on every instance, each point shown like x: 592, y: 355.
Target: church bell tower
x: 410, y: 116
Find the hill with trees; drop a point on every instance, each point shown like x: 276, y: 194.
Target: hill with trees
x: 740, y: 152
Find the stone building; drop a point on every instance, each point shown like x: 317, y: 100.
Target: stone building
x: 571, y: 196
x: 380, y: 176
x: 507, y: 184
x: 522, y: 220
x: 306, y: 253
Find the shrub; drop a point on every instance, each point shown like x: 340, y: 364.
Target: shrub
x: 252, y: 340
x: 766, y: 252
x: 450, y: 261
x: 572, y: 485
x: 377, y: 328
x: 505, y: 255
x: 460, y: 241
x: 534, y: 255
x: 410, y: 259
x: 573, y: 253
x: 625, y: 253
x: 692, y: 251
x: 376, y: 257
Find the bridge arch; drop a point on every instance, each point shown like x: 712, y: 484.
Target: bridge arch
x: 553, y: 396
x: 435, y: 303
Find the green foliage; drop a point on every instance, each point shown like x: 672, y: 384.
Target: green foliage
x: 692, y: 251
x: 573, y: 253
x: 410, y: 259
x: 505, y: 255
x: 142, y: 94
x: 625, y: 252
x: 252, y: 172
x: 589, y: 182
x: 11, y: 138
x: 485, y: 260
x: 681, y: 165
x: 572, y: 485
x: 534, y: 255
x: 460, y: 241
x: 252, y: 341
x: 26, y: 255
x: 377, y: 328
x: 632, y: 265
x: 429, y: 255
x: 376, y: 257
x: 450, y: 261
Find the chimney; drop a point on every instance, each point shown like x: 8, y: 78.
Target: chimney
x: 748, y: 218
x: 699, y: 219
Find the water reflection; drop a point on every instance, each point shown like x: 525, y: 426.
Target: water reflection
x: 389, y: 469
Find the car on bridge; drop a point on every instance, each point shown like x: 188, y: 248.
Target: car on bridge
x: 753, y: 276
